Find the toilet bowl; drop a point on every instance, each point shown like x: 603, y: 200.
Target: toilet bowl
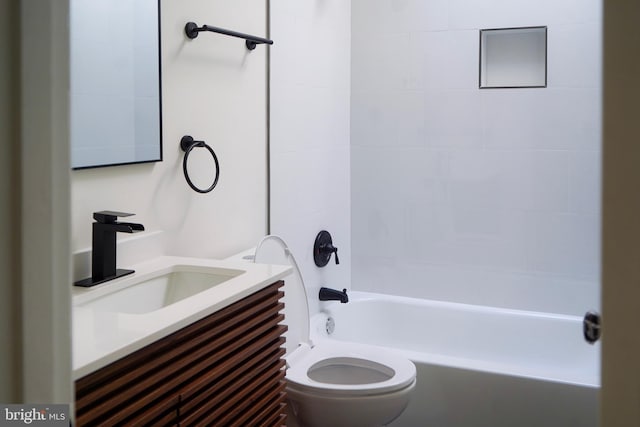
x: 334, y: 383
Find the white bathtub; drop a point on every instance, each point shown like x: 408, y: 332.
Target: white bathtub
x: 478, y: 366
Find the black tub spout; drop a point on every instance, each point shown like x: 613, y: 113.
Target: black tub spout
x: 327, y: 294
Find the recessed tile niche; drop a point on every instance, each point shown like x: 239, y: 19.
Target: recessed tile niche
x: 513, y: 57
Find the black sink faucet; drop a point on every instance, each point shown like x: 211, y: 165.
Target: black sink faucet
x: 327, y: 294
x: 103, y: 252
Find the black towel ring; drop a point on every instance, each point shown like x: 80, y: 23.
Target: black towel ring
x: 187, y: 143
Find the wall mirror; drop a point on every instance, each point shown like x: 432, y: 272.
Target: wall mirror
x: 115, y: 82
x: 513, y: 57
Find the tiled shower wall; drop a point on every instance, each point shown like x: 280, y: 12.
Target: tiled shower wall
x: 309, y: 134
x: 482, y: 196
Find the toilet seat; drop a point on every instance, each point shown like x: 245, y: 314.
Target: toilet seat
x: 389, y: 372
x: 400, y: 373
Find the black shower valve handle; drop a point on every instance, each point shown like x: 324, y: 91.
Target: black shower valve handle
x: 330, y: 249
x: 335, y: 252
x: 323, y: 248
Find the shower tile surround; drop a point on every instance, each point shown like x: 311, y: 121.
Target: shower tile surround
x: 309, y: 134
x: 483, y: 196
x: 454, y: 193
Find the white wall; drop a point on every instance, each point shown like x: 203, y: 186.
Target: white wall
x: 485, y: 196
x: 214, y: 89
x: 309, y: 133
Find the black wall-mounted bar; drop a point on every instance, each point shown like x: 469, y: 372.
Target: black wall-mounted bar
x: 191, y: 29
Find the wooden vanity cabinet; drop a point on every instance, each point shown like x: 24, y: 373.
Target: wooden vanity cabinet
x: 224, y: 370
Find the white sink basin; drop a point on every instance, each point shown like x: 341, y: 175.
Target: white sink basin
x: 165, y: 294
x: 152, y: 292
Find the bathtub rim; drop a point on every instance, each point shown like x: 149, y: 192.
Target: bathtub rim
x: 319, y: 319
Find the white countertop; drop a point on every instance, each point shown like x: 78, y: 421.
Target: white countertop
x: 101, y: 337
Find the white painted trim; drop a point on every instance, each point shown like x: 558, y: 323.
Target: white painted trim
x: 46, y: 279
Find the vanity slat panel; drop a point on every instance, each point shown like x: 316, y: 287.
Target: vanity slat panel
x: 155, y: 417
x: 275, y: 418
x: 163, y: 351
x: 176, y: 377
x: 259, y: 408
x: 200, y: 390
x: 240, y: 415
x: 142, y: 388
x: 136, y: 381
x: 223, y: 401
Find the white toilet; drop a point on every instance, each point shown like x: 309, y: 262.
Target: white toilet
x: 334, y: 383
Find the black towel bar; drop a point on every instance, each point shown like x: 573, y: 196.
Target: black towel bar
x: 191, y: 29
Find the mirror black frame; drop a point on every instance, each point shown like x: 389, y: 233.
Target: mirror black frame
x: 160, y: 141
